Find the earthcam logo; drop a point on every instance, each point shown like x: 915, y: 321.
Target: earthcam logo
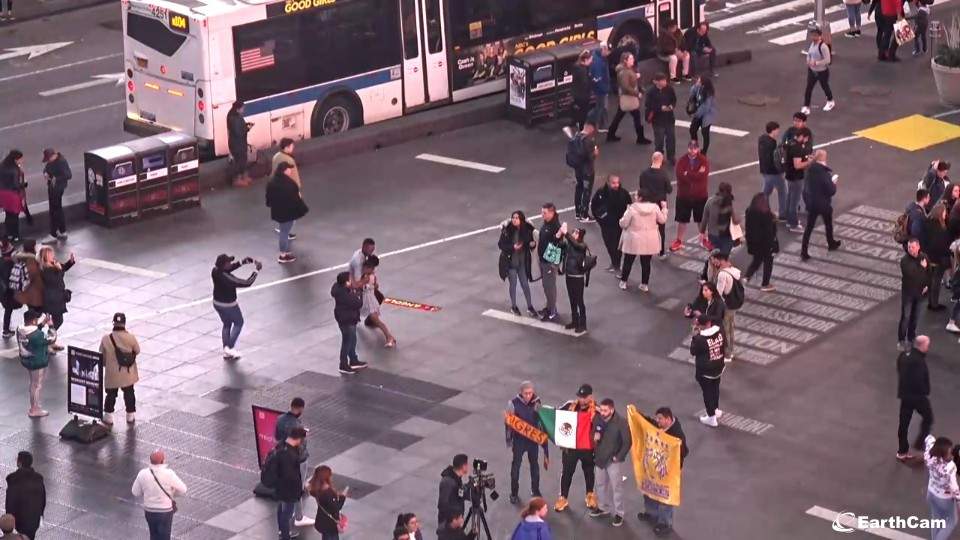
x: 847, y: 522
x: 840, y: 527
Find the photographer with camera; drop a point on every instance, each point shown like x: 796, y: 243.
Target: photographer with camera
x: 524, y: 407
x: 570, y: 457
x: 225, y: 286
x: 611, y: 436
x: 453, y: 496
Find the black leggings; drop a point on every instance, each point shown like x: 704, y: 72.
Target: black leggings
x: 813, y: 77
x: 11, y: 223
x: 637, y: 123
x: 129, y: 399
x: 697, y: 125
x: 578, y: 309
x: 767, y: 261
x: 711, y: 394
x: 644, y: 267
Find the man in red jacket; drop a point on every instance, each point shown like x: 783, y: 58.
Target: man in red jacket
x: 888, y: 12
x: 692, y: 172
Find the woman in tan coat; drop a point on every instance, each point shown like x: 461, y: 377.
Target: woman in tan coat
x: 641, y: 237
x: 628, y: 85
x: 117, y: 377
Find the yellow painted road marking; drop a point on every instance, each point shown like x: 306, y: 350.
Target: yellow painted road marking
x: 912, y: 133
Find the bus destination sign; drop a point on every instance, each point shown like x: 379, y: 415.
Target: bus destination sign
x: 289, y: 7
x: 180, y: 23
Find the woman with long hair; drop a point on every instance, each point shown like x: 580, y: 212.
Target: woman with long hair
x: 574, y: 256
x: 703, y: 110
x: 329, y: 502
x: 718, y: 215
x: 532, y: 526
x: 761, y: 235
x: 943, y: 493
x: 936, y: 244
x: 628, y: 86
x: 286, y: 207
x: 55, y: 295
x: 950, y: 195
x: 410, y: 524
x: 516, y: 244
x: 11, y: 199
x: 371, y: 300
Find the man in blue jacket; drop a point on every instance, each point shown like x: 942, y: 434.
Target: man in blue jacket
x: 917, y: 217
x: 819, y: 187
x: 524, y: 405
x: 600, y: 77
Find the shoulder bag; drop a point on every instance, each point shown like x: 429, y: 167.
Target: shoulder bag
x: 341, y: 523
x: 157, y: 480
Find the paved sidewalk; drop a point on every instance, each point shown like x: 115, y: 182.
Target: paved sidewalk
x: 25, y: 10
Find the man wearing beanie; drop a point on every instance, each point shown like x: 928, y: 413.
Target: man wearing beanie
x: 119, y: 349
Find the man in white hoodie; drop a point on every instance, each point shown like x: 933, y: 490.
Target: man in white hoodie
x: 728, y: 278
x: 158, y: 485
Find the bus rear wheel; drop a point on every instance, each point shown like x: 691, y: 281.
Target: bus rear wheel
x: 335, y: 115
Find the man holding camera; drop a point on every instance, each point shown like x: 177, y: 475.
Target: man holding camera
x: 225, y: 286
x: 453, y: 496
x: 570, y: 457
x: 524, y: 406
x: 611, y: 436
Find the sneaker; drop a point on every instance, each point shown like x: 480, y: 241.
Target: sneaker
x: 859, y: 33
x: 62, y: 237
x: 643, y: 141
x: 794, y: 228
x: 834, y: 246
x: 37, y: 413
x: 568, y: 131
x: 850, y: 33
x: 905, y: 457
x: 771, y: 288
x: 50, y: 240
x: 951, y: 327
x: 612, y: 269
x: 617, y: 521
x: 304, y: 522
x: 718, y: 413
x: 532, y: 312
x: 227, y: 352
x: 687, y: 77
x: 675, y: 80
x: 590, y: 500
x: 709, y: 421
x: 828, y: 106
x: 588, y: 219
x: 580, y: 330
x: 107, y: 419
x: 551, y: 317
x: 10, y: 333
x: 561, y: 504
x: 515, y: 310
x: 804, y: 257
x: 358, y: 365
x: 131, y: 417
x: 917, y: 53
x: 623, y: 285
x: 285, y: 258
x: 900, y: 346
x: 663, y: 256
x: 805, y: 110
x: 727, y: 359
x: 347, y: 370
x: 643, y: 287
x: 294, y: 533
x: 645, y: 517
x: 598, y: 513
x: 514, y: 499
x: 612, y: 138
x: 662, y: 530
x: 677, y: 245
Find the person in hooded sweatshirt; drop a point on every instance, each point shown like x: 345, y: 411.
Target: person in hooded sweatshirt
x: 33, y: 342
x: 609, y: 204
x: 451, y: 498
x: 641, y: 237
x: 347, y: 300
x: 708, y: 349
x: 532, y: 526
x: 727, y: 276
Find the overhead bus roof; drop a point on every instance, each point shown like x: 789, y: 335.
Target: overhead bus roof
x: 204, y: 8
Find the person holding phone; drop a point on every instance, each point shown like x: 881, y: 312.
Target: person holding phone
x: 237, y: 129
x: 329, y: 522
x: 820, y: 185
x: 225, y: 286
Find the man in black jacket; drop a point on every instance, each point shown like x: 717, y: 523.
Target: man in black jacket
x: 451, y: 500
x: 225, y: 286
x: 612, y: 441
x: 237, y: 128
x: 347, y: 301
x: 453, y: 529
x: 609, y: 204
x: 655, y: 183
x: 582, y: 88
x: 286, y: 423
x: 697, y: 41
x: 914, y: 280
x: 913, y: 391
x: 57, y: 172
x: 550, y: 234
x: 656, y: 513
x: 289, y: 486
x: 26, y: 496
x: 585, y: 171
x: 820, y: 185
x: 660, y: 102
x: 770, y: 171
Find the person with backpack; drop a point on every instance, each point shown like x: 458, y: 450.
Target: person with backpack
x: 119, y: 349
x: 641, y: 236
x: 731, y: 290
x: 159, y: 487
x: 281, y: 472
x: 26, y: 279
x: 913, y: 222
x: 660, y: 102
x: 820, y: 185
x: 7, y: 287
x: 818, y: 71
x: 709, y: 350
x: 798, y: 154
x: 33, y: 343
x: 935, y: 181
x: 770, y: 156
x: 582, y: 152
x: 609, y: 204
x: 577, y: 263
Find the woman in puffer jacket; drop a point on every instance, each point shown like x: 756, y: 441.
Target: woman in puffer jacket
x: 641, y: 237
x: 532, y: 526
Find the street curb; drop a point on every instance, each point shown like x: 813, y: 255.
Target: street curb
x: 75, y: 5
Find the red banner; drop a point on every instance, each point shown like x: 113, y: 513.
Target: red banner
x: 411, y: 305
x: 264, y: 426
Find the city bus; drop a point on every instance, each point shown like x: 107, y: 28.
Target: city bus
x: 307, y: 68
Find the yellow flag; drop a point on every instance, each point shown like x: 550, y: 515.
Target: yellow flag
x: 656, y: 459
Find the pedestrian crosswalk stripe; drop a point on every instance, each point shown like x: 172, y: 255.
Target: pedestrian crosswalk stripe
x: 873, y: 211
x: 783, y: 301
x: 822, y: 266
x: 757, y: 15
x: 739, y: 423
x: 851, y: 259
x: 791, y: 21
x: 871, y: 224
x: 891, y: 255
x: 744, y: 320
x: 843, y: 232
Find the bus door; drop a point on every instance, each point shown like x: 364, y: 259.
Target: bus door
x: 425, y: 75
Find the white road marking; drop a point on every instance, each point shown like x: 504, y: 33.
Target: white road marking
x: 792, y: 21
x: 821, y: 145
x: 729, y: 8
x: 803, y: 35
x: 33, y: 51
x: 739, y: 423
x: 759, y: 14
x: 143, y: 272
x: 106, y: 78
x: 530, y: 321
x: 716, y: 129
x: 60, y: 115
x: 64, y: 66
x: 851, y: 522
x: 461, y: 163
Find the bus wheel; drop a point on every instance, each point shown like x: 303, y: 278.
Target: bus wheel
x: 335, y: 115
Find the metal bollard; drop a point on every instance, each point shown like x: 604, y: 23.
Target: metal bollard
x: 934, y: 33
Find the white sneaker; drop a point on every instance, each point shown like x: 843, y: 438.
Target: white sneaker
x: 235, y: 353
x: 805, y: 110
x: 952, y: 327
x: 718, y: 413
x: 623, y: 285
x: 227, y: 353
x: 568, y: 131
x: 304, y: 522
x: 727, y: 359
x: 829, y: 106
x: 131, y: 417
x: 709, y: 421
x: 108, y: 418
x: 644, y: 288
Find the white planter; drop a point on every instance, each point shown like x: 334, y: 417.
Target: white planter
x: 948, y: 83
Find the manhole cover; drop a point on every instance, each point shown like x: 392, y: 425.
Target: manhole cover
x: 758, y: 100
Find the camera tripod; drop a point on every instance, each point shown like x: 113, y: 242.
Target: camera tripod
x: 477, y: 516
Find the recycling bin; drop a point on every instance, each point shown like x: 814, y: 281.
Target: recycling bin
x: 153, y: 174
x: 532, y: 87
x: 111, y: 185
x: 183, y: 155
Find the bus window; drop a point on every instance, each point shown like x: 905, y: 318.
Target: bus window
x: 154, y: 34
x: 408, y: 11
x: 434, y: 39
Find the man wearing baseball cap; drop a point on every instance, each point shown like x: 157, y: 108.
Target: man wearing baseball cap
x: 570, y: 457
x: 225, y: 286
x: 57, y: 172
x: 119, y: 349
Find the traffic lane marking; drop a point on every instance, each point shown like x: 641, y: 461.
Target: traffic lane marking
x: 791, y: 21
x: 873, y: 211
x: 143, y: 272
x: 843, y: 232
x: 60, y: 115
x: 56, y: 68
x: 530, y: 321
x: 756, y: 15
x: 739, y: 423
x: 461, y: 163
x: 716, y: 129
x: 847, y: 521
x: 98, y: 80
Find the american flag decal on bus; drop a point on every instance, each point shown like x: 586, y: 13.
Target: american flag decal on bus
x: 257, y: 58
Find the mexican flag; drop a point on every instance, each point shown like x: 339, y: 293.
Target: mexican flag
x: 567, y: 429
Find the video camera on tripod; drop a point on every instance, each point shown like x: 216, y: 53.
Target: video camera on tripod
x: 476, y: 492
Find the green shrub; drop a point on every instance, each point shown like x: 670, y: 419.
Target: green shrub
x: 948, y: 54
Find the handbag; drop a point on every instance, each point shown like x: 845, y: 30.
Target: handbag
x: 67, y: 296
x: 736, y: 231
x: 552, y: 253
x: 629, y: 103
x: 902, y: 31
x: 341, y: 523
x: 157, y: 480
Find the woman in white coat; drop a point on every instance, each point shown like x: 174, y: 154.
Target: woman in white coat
x: 641, y: 237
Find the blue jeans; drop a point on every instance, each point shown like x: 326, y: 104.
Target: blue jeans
x: 232, y: 319
x: 776, y: 182
x: 284, y: 236
x: 853, y: 16
x: 945, y: 509
x: 160, y: 524
x: 662, y: 514
x: 284, y: 518
x: 794, y: 194
x: 513, y: 276
x: 348, y: 344
x: 723, y: 242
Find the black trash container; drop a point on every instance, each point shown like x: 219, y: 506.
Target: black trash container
x: 183, y: 156
x: 532, y: 88
x: 153, y: 174
x: 110, y: 179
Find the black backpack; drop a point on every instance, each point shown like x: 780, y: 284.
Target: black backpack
x: 734, y: 299
x: 829, y: 48
x: 576, y: 152
x: 780, y: 158
x: 125, y: 359
x: 270, y: 473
